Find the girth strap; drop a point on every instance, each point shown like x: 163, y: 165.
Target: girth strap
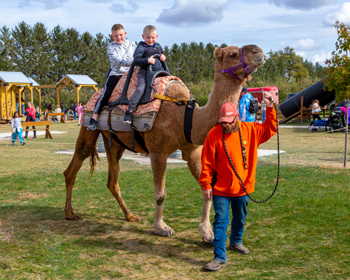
x: 191, y: 104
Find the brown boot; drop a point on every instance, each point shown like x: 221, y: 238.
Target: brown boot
x: 215, y: 265
x: 239, y: 248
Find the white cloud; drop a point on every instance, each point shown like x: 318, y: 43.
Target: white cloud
x: 302, y: 4
x: 48, y: 4
x: 121, y: 8
x: 321, y: 58
x: 193, y: 12
x: 342, y: 15
x: 306, y: 45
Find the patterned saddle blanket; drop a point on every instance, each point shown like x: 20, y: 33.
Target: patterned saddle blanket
x: 144, y: 115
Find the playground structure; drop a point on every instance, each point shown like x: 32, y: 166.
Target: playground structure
x: 13, y: 85
x: 298, y: 105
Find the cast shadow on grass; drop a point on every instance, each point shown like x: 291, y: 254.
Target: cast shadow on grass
x: 92, y: 234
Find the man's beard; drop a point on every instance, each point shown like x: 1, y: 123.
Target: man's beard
x: 231, y: 130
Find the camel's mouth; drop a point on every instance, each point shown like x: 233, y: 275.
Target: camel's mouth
x: 260, y: 60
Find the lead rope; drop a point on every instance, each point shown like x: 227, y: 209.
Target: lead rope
x: 245, y: 165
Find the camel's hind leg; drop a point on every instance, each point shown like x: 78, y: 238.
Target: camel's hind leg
x: 192, y: 154
x: 84, y: 147
x: 114, y: 154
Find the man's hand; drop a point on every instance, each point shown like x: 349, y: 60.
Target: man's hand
x: 208, y: 193
x: 162, y: 57
x: 151, y: 60
x: 267, y: 96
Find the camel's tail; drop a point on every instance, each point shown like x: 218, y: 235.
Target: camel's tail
x: 94, y: 156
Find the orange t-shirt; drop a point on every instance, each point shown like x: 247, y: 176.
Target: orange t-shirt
x: 214, y: 158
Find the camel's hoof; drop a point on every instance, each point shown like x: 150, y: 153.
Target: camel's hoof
x: 209, y: 241
x: 72, y: 217
x: 164, y: 232
x: 134, y: 218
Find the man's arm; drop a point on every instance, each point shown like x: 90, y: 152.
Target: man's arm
x: 208, y: 166
x: 116, y: 58
x: 268, y: 128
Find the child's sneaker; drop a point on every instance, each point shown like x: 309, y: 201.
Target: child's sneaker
x: 23, y: 143
x: 13, y: 143
x: 128, y: 117
x: 92, y: 124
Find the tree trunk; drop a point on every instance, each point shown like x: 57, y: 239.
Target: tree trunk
x: 346, y: 133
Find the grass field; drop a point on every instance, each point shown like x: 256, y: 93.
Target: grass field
x: 303, y: 232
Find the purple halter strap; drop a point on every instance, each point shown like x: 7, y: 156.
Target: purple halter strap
x: 243, y: 64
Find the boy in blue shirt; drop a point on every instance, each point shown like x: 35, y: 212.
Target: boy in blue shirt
x: 120, y: 53
x: 142, y: 57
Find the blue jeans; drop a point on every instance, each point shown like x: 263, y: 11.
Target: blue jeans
x: 19, y: 133
x: 222, y: 218
x: 75, y: 115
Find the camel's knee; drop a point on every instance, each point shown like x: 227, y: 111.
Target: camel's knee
x: 160, y: 198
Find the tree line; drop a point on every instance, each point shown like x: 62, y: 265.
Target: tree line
x: 47, y: 56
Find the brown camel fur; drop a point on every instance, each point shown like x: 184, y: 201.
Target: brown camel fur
x: 167, y: 135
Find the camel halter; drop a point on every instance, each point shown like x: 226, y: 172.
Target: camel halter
x: 242, y: 64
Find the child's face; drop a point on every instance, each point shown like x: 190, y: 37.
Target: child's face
x: 16, y: 115
x: 118, y: 36
x: 150, y: 38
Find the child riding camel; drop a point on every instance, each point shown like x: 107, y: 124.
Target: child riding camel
x: 120, y: 53
x: 142, y: 57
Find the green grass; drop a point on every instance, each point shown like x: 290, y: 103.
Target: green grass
x: 303, y: 232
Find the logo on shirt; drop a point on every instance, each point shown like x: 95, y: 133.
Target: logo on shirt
x: 244, y: 142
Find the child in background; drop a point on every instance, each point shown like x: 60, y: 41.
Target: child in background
x: 143, y: 56
x: 80, y: 112
x: 120, y: 53
x: 316, y: 109
x: 16, y: 129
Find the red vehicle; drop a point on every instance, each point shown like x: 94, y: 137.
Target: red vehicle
x: 256, y: 92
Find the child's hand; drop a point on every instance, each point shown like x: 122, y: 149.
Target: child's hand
x: 151, y: 60
x: 13, y: 130
x: 162, y: 57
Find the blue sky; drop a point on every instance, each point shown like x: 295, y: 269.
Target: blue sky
x: 305, y: 25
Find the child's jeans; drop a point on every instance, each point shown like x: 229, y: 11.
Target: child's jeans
x: 141, y: 86
x: 18, y: 132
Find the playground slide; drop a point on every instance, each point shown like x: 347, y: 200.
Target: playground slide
x: 315, y: 91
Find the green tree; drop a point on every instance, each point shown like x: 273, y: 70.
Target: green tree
x: 22, y: 48
x: 6, y: 50
x: 338, y: 70
x: 41, y: 55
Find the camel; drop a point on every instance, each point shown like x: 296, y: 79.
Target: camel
x: 167, y: 135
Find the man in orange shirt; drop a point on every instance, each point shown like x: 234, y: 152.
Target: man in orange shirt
x: 219, y: 181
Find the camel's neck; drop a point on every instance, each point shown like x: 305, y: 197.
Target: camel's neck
x: 226, y: 89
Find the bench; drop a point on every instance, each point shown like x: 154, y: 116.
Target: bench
x: 40, y: 123
x: 46, y: 118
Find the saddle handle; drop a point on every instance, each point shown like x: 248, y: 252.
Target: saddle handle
x: 165, y: 66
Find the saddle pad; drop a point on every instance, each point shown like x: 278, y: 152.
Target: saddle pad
x: 160, y: 85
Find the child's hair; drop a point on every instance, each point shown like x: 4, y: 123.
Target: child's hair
x: 315, y: 100
x: 149, y: 29
x: 31, y: 103
x: 14, y: 114
x: 117, y: 27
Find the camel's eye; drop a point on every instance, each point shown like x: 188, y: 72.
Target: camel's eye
x: 233, y: 55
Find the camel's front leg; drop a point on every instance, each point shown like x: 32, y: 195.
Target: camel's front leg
x: 158, y: 162
x: 114, y: 155
x: 192, y: 154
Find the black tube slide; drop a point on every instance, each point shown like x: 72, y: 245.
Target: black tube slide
x: 315, y: 91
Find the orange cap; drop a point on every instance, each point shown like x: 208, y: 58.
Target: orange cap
x: 228, y: 112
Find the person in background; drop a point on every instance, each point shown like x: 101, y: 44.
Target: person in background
x: 244, y: 114
x: 16, y: 129
x: 30, y: 113
x: 22, y: 107
x: 57, y: 119
x: 62, y: 107
x: 232, y: 141
x: 315, y: 111
x: 80, y: 113
x: 49, y: 106
x: 17, y: 105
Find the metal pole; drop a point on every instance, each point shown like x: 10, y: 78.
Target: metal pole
x: 346, y: 133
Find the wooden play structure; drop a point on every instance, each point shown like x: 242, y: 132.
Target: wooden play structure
x: 302, y: 114
x: 13, y: 85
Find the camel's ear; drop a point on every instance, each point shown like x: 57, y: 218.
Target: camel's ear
x: 218, y: 54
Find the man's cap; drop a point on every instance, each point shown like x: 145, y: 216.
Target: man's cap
x: 228, y: 112
x: 244, y: 89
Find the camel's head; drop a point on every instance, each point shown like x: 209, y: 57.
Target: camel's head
x: 231, y: 57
